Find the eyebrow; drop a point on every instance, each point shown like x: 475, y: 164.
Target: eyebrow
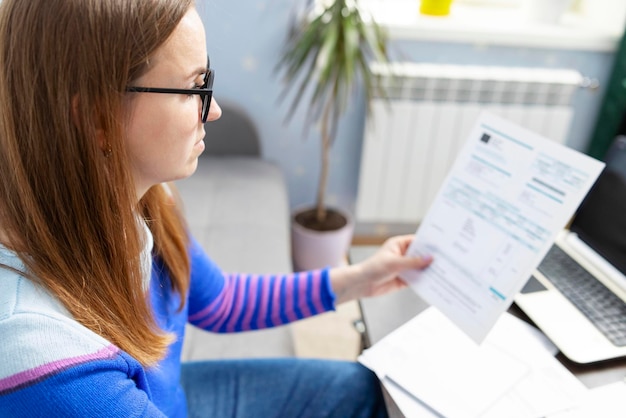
x: 201, y: 69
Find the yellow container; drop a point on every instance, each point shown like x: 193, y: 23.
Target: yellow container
x: 435, y: 7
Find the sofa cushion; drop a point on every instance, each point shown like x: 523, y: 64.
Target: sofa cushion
x: 237, y: 208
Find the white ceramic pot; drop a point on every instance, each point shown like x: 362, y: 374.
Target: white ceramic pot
x: 547, y: 11
x: 314, y: 249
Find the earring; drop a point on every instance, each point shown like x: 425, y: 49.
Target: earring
x: 107, y: 151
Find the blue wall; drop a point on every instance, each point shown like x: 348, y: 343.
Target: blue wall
x: 244, y: 41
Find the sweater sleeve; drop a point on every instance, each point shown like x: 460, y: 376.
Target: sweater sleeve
x: 223, y: 302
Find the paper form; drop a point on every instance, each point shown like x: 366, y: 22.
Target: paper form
x: 435, y: 362
x: 508, y: 194
x: 545, y: 386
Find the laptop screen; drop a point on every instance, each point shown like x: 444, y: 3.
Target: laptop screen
x: 601, y: 218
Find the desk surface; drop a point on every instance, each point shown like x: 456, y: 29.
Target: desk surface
x: 383, y: 314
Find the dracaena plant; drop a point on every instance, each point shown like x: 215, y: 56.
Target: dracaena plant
x: 327, y: 55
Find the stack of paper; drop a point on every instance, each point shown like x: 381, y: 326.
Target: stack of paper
x: 432, y: 369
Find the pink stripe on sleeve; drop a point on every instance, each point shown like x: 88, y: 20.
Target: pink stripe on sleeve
x: 263, y: 301
x: 276, y: 301
x: 200, y: 314
x: 205, y: 311
x: 290, y: 306
x: 246, y: 322
x: 226, y: 302
x: 317, y: 295
x: 237, y: 304
x: 302, y: 296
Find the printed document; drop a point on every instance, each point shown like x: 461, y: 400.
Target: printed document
x: 513, y: 374
x: 508, y: 194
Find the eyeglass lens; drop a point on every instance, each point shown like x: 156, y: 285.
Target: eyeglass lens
x: 206, y: 98
x: 208, y: 84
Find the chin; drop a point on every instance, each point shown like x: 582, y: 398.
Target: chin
x: 190, y: 169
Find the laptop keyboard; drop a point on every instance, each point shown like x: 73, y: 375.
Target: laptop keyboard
x: 605, y: 309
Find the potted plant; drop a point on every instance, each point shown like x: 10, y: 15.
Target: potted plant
x: 327, y: 56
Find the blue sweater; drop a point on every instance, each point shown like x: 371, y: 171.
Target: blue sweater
x: 53, y: 366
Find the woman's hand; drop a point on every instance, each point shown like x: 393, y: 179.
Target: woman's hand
x: 377, y: 274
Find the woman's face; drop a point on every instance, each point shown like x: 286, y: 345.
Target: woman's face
x: 165, y: 131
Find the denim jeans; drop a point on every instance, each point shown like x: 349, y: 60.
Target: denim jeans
x: 285, y: 388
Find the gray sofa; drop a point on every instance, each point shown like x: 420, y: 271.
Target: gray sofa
x: 237, y: 207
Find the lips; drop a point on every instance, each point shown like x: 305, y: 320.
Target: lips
x: 199, y: 146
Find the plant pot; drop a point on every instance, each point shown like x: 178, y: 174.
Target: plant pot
x: 313, y: 249
x: 547, y: 11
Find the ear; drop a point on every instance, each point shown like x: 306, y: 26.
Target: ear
x: 76, y: 119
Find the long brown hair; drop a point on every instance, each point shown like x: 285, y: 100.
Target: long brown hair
x: 68, y: 205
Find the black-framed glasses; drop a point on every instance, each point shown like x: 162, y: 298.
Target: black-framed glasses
x: 205, y: 91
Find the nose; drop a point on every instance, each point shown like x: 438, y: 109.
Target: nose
x: 215, y: 111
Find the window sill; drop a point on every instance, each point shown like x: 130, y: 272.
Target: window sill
x: 502, y: 26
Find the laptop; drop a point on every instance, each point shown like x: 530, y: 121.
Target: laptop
x: 577, y: 294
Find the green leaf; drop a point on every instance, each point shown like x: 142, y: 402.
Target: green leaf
x: 351, y: 39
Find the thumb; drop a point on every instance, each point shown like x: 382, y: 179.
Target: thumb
x: 415, y: 263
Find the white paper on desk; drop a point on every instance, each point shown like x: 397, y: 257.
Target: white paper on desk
x: 608, y: 401
x: 546, y: 388
x: 434, y: 361
x: 508, y: 194
x: 409, y: 405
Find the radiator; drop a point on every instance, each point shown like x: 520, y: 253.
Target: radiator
x: 412, y: 137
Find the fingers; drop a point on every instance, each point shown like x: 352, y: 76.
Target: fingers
x: 392, y: 259
x: 401, y: 239
x: 415, y: 263
x: 402, y: 243
x: 399, y: 243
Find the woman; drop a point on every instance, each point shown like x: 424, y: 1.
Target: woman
x: 103, y: 103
